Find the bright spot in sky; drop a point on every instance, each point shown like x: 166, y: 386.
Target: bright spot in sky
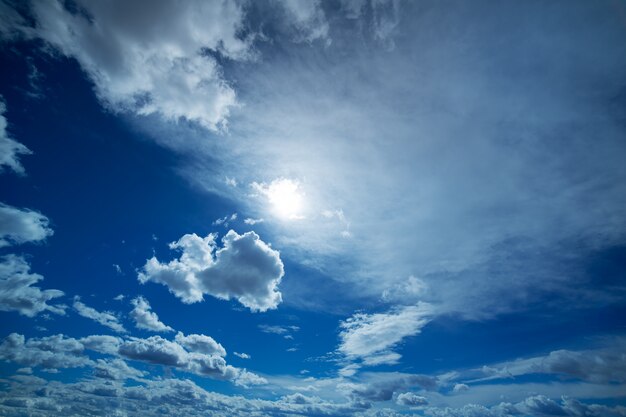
x: 285, y: 198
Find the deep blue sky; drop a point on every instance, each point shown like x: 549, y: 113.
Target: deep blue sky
x: 422, y: 207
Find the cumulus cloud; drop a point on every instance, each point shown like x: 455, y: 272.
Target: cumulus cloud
x: 50, y: 352
x: 10, y: 149
x: 245, y: 268
x: 149, y: 57
x: 242, y: 355
x: 115, y: 369
x: 145, y: 318
x: 537, y: 405
x: 105, y: 318
x: 382, y: 386
x: 372, y: 337
x: 17, y: 292
x: 22, y: 225
x: 197, y: 354
x: 171, y: 396
x: 200, y: 343
x: 411, y: 399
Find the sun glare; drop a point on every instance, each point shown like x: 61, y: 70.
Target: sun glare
x: 286, y: 198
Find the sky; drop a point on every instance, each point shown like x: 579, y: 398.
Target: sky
x: 369, y: 208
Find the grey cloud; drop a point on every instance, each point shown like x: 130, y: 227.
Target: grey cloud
x: 604, y: 364
x: 17, y: 292
x: 145, y: 318
x: 22, y: 225
x: 105, y: 318
x: 175, y: 397
x: 384, y: 385
x: 245, y: 268
x: 537, y: 405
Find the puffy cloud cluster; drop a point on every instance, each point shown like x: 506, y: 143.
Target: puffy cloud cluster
x: 245, y: 268
x: 537, y: 405
x: 172, y: 397
x: 372, y: 337
x: 17, y: 292
x: 195, y: 353
x: 145, y: 318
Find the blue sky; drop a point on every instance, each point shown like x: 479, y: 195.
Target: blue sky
x: 312, y: 208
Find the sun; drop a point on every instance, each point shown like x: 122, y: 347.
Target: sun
x: 286, y: 198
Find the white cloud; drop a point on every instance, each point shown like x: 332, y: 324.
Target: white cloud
x: 115, y: 369
x: 105, y: 318
x: 149, y: 57
x: 225, y: 221
x: 50, y: 352
x: 242, y: 355
x: 200, y: 343
x: 411, y: 399
x: 372, y: 337
x: 281, y: 330
x: 9, y: 148
x: 442, y: 175
x: 17, y: 292
x: 308, y: 19
x: 245, y: 268
x: 250, y: 221
x: 22, y: 225
x: 179, y: 354
x: 145, y: 318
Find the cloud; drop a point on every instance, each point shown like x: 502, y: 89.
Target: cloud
x: 105, y: 318
x: 245, y: 268
x: 200, y: 343
x: 372, y: 337
x: 242, y: 355
x: 171, y: 396
x: 474, y: 170
x: 50, y: 352
x: 225, y: 221
x: 410, y: 399
x: 197, y: 354
x: 10, y: 150
x: 250, y: 221
x: 147, y: 57
x: 382, y: 386
x: 308, y: 18
x: 22, y: 225
x: 285, y: 331
x: 537, y: 405
x: 17, y: 292
x: 145, y: 318
x: 116, y: 370
x: 605, y: 364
